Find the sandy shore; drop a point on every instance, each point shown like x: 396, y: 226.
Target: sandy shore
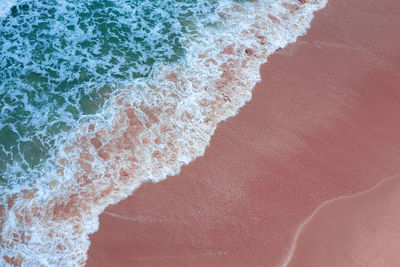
x: 356, y: 231
x: 323, y: 123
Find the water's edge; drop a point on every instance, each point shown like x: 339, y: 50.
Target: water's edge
x: 146, y: 134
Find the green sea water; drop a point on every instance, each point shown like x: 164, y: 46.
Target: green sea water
x: 61, y: 59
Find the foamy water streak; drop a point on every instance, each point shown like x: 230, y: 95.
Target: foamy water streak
x: 5, y: 7
x: 146, y: 134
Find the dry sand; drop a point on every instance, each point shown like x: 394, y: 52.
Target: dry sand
x: 323, y: 123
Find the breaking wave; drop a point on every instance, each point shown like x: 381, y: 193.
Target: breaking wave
x: 156, y: 117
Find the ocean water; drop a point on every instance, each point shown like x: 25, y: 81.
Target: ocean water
x: 62, y: 59
x: 99, y: 96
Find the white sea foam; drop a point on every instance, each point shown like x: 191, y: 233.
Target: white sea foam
x: 5, y: 7
x: 55, y: 66
x: 147, y: 131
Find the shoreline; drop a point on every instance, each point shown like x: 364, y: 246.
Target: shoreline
x: 305, y: 229
x: 148, y: 133
x: 307, y: 136
x: 345, y: 226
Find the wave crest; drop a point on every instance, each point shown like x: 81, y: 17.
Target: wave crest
x: 147, y: 134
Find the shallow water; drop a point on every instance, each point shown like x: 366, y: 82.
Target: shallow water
x: 61, y: 59
x: 98, y: 97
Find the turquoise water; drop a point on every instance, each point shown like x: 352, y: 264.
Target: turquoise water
x: 100, y: 96
x: 60, y: 60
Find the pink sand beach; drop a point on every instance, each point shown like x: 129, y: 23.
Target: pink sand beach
x: 360, y: 230
x: 323, y: 123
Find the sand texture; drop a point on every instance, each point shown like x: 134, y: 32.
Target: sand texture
x: 323, y: 123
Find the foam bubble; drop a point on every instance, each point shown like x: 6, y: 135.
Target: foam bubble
x: 147, y: 130
x: 62, y: 59
x: 5, y: 7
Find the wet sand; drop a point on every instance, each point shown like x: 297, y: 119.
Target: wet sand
x: 361, y: 230
x: 323, y: 123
